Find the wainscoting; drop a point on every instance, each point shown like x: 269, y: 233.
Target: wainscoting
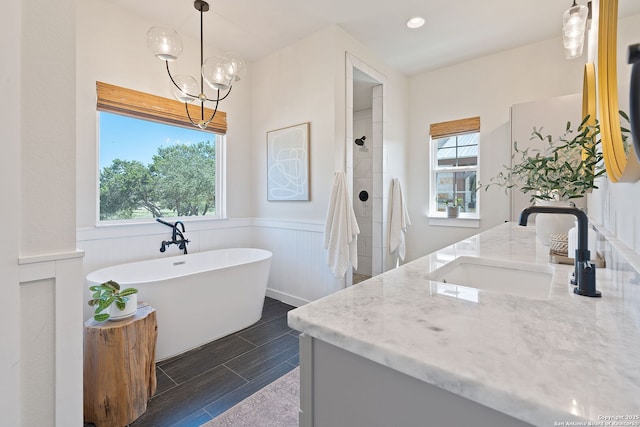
x: 299, y: 272
x: 51, y: 339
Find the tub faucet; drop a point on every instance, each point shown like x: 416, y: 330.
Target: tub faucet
x: 584, y: 270
x: 177, y: 236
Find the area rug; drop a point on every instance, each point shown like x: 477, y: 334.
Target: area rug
x: 275, y: 405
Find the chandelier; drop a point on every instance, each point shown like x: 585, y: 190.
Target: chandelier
x: 219, y: 72
x: 574, y: 23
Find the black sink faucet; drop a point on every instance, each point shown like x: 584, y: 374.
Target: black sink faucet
x: 585, y: 271
x: 175, y: 234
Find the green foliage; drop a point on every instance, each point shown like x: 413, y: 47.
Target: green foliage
x: 106, y: 294
x: 560, y: 169
x: 455, y: 202
x: 124, y: 187
x: 179, y: 182
x: 186, y: 178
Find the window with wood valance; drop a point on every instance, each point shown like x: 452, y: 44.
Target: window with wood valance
x: 454, y: 168
x: 119, y: 100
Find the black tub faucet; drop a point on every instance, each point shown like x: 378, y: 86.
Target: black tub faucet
x: 584, y: 270
x: 177, y: 236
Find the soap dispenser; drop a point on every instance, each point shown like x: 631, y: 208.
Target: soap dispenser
x: 572, y: 242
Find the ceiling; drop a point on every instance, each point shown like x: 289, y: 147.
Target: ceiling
x: 455, y: 31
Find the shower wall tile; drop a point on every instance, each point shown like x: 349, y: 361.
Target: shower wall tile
x: 365, y: 224
x: 377, y: 136
x: 376, y: 129
x: 363, y: 246
x: 359, y: 209
x: 377, y: 161
x: 377, y: 110
x: 376, y: 239
x: 362, y: 167
x: 361, y: 183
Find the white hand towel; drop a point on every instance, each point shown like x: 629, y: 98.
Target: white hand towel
x: 341, y: 229
x: 398, y: 220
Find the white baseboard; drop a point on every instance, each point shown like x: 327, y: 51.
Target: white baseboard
x: 286, y: 298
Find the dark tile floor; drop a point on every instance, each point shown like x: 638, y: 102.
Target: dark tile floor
x: 196, y: 386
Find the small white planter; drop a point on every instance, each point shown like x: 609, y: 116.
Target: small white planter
x: 130, y: 308
x: 548, y: 224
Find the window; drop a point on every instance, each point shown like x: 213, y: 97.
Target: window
x: 151, y: 163
x: 454, y: 167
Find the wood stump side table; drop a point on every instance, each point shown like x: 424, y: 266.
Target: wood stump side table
x: 119, y: 368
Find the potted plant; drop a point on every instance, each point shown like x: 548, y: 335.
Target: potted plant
x: 454, y: 210
x: 108, y: 293
x: 559, y: 170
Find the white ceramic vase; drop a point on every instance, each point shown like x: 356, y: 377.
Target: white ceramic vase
x: 549, y: 224
x: 130, y: 308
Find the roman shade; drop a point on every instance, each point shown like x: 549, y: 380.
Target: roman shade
x: 454, y: 127
x: 119, y: 100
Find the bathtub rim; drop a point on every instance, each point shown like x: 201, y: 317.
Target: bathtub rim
x: 265, y: 255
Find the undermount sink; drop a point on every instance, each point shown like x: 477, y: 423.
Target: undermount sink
x: 521, y: 279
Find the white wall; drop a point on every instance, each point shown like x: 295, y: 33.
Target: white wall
x: 41, y: 321
x: 485, y: 87
x: 292, y: 86
x: 10, y: 123
x: 306, y: 82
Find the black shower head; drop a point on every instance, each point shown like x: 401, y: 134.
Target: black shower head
x: 360, y: 141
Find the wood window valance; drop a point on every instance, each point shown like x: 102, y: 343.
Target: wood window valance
x: 454, y: 127
x: 116, y: 99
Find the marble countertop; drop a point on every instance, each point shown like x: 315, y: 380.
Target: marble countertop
x: 568, y: 358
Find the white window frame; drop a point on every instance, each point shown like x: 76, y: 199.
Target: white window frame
x: 142, y: 106
x: 464, y: 219
x: 220, y: 199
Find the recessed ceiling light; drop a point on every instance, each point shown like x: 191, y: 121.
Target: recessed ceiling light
x: 415, y: 22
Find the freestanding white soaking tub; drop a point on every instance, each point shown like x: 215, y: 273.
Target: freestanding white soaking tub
x: 198, y: 297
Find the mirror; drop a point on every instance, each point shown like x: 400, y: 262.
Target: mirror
x: 634, y: 95
x: 620, y: 159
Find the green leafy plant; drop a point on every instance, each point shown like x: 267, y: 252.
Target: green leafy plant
x: 455, y: 202
x: 106, y: 294
x: 560, y: 169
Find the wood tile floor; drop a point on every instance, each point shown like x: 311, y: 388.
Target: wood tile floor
x: 196, y: 386
x: 357, y: 278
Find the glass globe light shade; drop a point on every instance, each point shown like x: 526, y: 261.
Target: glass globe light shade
x: 165, y: 43
x: 189, y: 88
x: 574, y: 20
x: 215, y: 73
x: 573, y: 46
x: 235, y: 66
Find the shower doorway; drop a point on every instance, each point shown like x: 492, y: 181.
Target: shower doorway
x: 365, y: 164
